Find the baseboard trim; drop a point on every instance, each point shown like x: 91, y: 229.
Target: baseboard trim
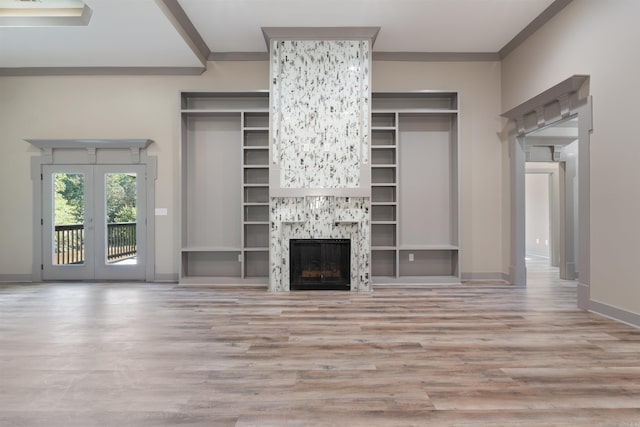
x: 15, y: 278
x: 486, y: 276
x: 621, y: 315
x: 169, y: 277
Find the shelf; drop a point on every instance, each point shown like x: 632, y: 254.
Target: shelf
x: 443, y: 247
x: 384, y: 222
x: 255, y: 147
x: 256, y: 166
x: 383, y: 184
x: 384, y: 203
x: 256, y: 222
x: 383, y: 147
x: 374, y: 128
x: 210, y: 249
x: 418, y: 111
x: 257, y: 128
x: 205, y: 111
x: 257, y: 185
x: 255, y: 204
x: 383, y: 248
x: 256, y: 249
x: 384, y: 165
x: 383, y: 213
x: 421, y: 280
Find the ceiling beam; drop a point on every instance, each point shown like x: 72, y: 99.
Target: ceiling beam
x: 183, y: 25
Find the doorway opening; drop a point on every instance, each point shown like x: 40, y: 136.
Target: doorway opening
x: 550, y: 111
x: 93, y: 205
x: 551, y: 202
x: 94, y: 222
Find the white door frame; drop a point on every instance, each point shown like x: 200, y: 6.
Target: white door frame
x: 92, y: 152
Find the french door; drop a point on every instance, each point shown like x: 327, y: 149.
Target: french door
x: 94, y: 222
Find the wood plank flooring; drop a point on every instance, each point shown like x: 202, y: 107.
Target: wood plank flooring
x: 133, y: 354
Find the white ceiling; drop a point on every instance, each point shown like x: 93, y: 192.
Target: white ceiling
x: 138, y: 33
x: 406, y: 25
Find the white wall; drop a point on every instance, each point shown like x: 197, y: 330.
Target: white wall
x: 147, y: 107
x: 597, y: 38
x: 481, y: 161
x: 537, y: 214
x: 99, y: 107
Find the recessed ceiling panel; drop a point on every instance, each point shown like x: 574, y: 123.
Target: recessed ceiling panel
x: 121, y: 33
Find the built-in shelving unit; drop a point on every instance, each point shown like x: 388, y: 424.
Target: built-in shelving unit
x: 255, y: 187
x: 414, y: 187
x: 225, y: 228
x: 384, y: 194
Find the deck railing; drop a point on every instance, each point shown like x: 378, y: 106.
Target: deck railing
x: 69, y: 242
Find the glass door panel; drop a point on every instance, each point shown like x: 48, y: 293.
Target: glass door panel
x: 121, y: 202
x: 121, y: 216
x: 68, y: 218
x: 67, y: 222
x: 94, y: 222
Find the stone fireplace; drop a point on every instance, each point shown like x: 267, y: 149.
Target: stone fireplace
x: 319, y: 172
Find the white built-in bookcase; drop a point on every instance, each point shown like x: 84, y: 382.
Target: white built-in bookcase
x: 225, y: 187
x: 414, y: 187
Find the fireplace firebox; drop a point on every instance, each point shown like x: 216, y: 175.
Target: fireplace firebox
x: 320, y: 264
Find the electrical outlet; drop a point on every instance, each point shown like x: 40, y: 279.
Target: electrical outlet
x: 411, y: 257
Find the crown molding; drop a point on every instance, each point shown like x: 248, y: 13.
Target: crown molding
x: 101, y: 71
x: 546, y: 15
x: 436, y: 56
x: 238, y: 56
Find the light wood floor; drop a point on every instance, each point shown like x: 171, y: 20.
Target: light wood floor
x: 457, y: 355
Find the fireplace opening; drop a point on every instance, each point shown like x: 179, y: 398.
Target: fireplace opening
x: 320, y: 264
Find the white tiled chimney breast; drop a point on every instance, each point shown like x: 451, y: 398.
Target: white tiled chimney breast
x: 320, y: 112
x: 320, y: 129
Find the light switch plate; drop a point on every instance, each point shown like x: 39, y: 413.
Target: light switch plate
x: 161, y: 212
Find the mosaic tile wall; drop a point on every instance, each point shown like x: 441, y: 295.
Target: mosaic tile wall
x: 320, y: 112
x: 320, y: 116
x: 320, y: 218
